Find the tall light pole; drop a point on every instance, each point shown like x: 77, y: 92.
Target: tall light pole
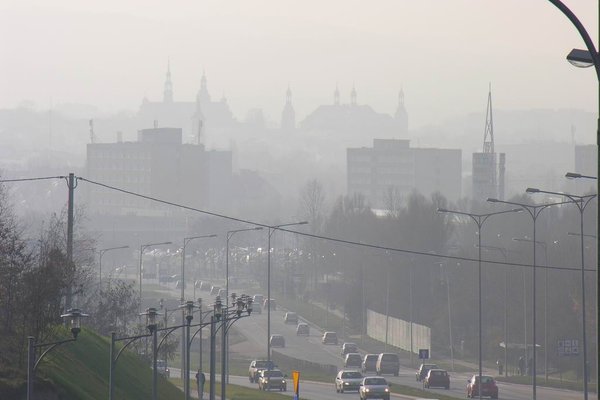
x: 272, y: 230
x: 502, y: 251
x: 581, y: 202
x: 142, y: 248
x: 545, y: 247
x: 534, y: 211
x: 581, y: 58
x: 101, y: 253
x: 185, y: 311
x: 479, y: 220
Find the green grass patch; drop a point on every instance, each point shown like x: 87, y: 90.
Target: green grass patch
x: 553, y: 383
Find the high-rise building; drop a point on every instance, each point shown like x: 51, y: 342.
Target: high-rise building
x: 390, y: 170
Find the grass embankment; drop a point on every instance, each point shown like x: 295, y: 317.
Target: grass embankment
x: 552, y: 382
x: 80, y: 370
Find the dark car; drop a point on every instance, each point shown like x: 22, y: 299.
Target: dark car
x: 374, y: 387
x: 302, y: 329
x: 423, y: 369
x: 277, y: 341
x: 347, y: 380
x: 369, y: 363
x: 488, y: 387
x: 329, y: 338
x: 348, y: 347
x: 437, y: 378
x: 352, y: 360
x: 258, y: 365
x: 272, y: 379
x: 258, y: 300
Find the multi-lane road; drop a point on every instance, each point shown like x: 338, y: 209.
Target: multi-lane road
x: 310, y: 348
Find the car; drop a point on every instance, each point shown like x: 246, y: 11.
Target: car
x: 258, y: 299
x: 214, y: 290
x: 346, y: 380
x: 222, y: 293
x: 258, y: 365
x: 369, y: 363
x: 162, y: 368
x: 270, y: 303
x: 329, y: 338
x: 290, y: 318
x: 387, y: 363
x: 205, y: 286
x: 272, y: 379
x: 353, y: 360
x: 302, y: 329
x: 277, y: 341
x: 349, y: 347
x: 437, y: 378
x: 488, y: 387
x: 423, y: 369
x: 374, y: 387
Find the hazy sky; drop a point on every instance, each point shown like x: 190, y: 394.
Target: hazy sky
x: 443, y: 53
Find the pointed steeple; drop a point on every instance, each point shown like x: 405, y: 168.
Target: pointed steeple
x: 353, y: 96
x: 336, y: 96
x: 168, y: 91
x: 488, y: 134
x: 203, y: 97
x: 401, y: 114
x: 288, y: 116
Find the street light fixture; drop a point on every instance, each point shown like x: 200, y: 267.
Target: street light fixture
x: 182, y: 298
x: 543, y: 244
x: 479, y: 220
x: 534, y: 211
x: 575, y: 175
x: 142, y: 248
x: 101, y: 253
x: 74, y: 315
x: 581, y: 202
x: 272, y: 230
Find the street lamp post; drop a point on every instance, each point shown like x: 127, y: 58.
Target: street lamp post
x: 272, y: 230
x: 545, y: 247
x: 101, y: 253
x: 502, y: 251
x: 75, y: 316
x: 142, y: 248
x: 534, y: 211
x: 479, y: 220
x: 582, y: 58
x: 581, y: 202
x: 182, y: 297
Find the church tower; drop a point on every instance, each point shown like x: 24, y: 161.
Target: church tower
x: 401, y: 116
x: 168, y: 91
x: 353, y: 96
x: 203, y: 97
x: 336, y: 96
x: 288, y: 116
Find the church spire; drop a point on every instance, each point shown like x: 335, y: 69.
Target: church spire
x: 168, y: 91
x: 401, y: 114
x: 336, y: 96
x: 353, y: 96
x: 288, y: 116
x: 203, y: 97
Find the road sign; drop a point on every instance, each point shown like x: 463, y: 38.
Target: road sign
x: 567, y: 347
x: 296, y: 379
x: 423, y: 354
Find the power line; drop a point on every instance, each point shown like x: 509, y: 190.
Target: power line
x: 329, y: 238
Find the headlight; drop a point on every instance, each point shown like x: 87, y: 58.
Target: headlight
x: 387, y: 389
x: 367, y: 390
x: 283, y: 381
x: 346, y: 383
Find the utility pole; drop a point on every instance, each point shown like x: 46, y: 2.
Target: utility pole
x: 71, y: 184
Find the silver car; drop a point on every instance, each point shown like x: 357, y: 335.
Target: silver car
x: 347, y: 380
x: 374, y: 387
